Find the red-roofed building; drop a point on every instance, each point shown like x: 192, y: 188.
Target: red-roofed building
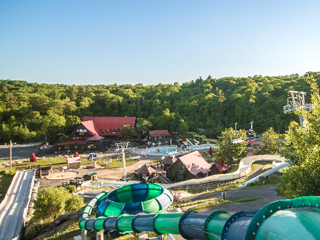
x: 218, y: 168
x: 159, y: 135
x: 191, y: 165
x: 94, y: 132
x: 108, y: 127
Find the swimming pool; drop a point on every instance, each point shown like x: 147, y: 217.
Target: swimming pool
x: 102, y: 183
x: 156, y: 150
x: 203, y: 146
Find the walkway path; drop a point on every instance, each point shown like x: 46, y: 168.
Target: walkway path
x: 267, y: 193
x: 244, y: 169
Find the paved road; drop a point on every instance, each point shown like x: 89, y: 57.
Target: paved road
x: 19, y: 151
x: 267, y: 193
x: 13, y: 208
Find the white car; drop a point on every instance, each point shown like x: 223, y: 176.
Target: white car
x: 135, y: 156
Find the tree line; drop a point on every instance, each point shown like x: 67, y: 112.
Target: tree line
x: 28, y: 111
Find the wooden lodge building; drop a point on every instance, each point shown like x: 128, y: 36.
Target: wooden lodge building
x: 218, y: 168
x: 144, y: 171
x: 95, y: 134
x: 168, y: 161
x: 189, y: 166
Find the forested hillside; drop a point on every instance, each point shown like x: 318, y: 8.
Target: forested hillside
x: 28, y: 110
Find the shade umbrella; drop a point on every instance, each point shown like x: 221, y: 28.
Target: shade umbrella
x: 62, y: 168
x: 76, y: 154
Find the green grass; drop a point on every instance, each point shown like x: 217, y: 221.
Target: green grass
x: 58, y: 162
x: 5, y: 183
x: 234, y: 168
x: 71, y: 231
x: 185, y: 204
x: 225, y: 187
x: 210, y: 204
x: 118, y: 163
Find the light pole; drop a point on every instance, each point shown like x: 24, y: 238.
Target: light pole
x: 124, y: 165
x: 10, y: 155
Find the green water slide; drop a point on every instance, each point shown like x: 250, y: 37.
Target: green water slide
x: 141, y: 208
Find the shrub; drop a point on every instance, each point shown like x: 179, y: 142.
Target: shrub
x: 11, y: 172
x: 74, y: 204
x: 70, y: 188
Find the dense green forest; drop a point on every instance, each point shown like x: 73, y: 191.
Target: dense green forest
x: 28, y: 110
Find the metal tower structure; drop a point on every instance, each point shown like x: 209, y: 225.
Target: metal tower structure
x: 296, y: 100
x: 251, y: 134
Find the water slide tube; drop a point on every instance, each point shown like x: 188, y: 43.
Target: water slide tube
x: 118, y: 210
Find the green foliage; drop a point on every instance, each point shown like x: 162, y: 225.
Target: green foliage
x: 11, y: 172
x: 270, y: 143
x: 303, y: 153
x: 28, y: 110
x: 127, y: 131
x: 70, y: 188
x: 51, y: 202
x: 5, y: 182
x: 74, y: 204
x: 228, y: 151
x: 143, y: 125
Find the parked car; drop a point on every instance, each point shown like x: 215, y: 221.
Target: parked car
x: 135, y: 156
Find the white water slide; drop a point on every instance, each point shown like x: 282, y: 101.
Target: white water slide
x: 266, y: 173
x: 14, y: 207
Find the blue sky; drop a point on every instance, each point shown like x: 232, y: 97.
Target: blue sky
x: 151, y: 42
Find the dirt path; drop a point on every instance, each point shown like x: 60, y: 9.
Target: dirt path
x: 103, y: 173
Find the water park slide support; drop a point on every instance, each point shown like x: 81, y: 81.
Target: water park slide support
x: 285, y: 219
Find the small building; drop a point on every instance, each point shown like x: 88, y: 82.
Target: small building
x: 168, y: 161
x: 73, y: 162
x: 76, y: 181
x: 191, y: 165
x: 90, y: 177
x: 144, y: 171
x: 218, y: 168
x: 43, y: 171
x: 159, y: 135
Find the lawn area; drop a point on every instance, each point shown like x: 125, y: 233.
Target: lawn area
x: 5, y: 183
x: 58, y: 162
x: 118, y: 163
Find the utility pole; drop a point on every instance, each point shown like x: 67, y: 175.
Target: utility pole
x: 235, y: 126
x: 124, y: 165
x: 10, y: 155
